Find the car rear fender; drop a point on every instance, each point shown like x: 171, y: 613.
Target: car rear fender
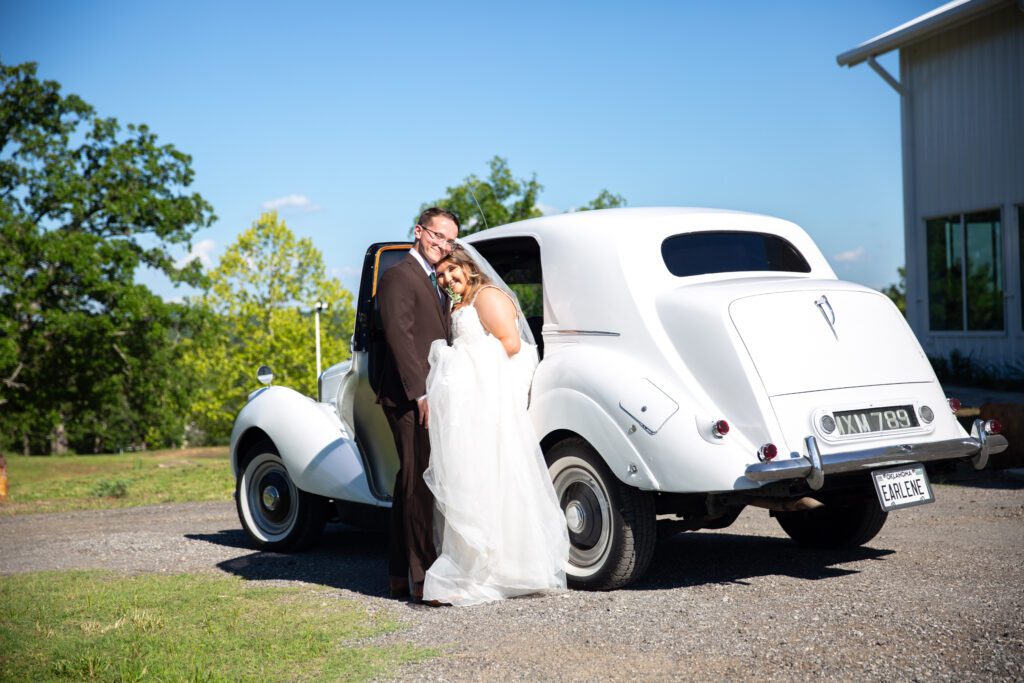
x: 571, y: 412
x: 320, y: 455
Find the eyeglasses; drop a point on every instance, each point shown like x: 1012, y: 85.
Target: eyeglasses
x: 438, y: 237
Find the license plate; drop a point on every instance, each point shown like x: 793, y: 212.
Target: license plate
x: 875, y: 420
x: 901, y: 487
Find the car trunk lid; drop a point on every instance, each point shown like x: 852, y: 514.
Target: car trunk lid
x: 817, y: 339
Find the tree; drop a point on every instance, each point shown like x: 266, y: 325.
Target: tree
x: 261, y: 295
x: 503, y: 199
x: 88, y: 358
x: 604, y: 200
x: 898, y: 291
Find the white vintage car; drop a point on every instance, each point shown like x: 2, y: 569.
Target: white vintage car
x: 694, y: 362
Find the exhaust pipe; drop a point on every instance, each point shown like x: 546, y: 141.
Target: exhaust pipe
x: 786, y: 504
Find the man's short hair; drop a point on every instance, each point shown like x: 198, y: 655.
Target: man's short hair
x: 433, y: 212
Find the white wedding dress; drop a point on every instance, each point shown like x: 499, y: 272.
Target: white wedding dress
x: 499, y: 527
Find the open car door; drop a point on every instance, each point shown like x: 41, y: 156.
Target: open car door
x: 358, y: 401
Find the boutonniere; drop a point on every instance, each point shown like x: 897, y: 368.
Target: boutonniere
x: 455, y: 298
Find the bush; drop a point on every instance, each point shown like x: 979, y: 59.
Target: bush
x: 110, y: 488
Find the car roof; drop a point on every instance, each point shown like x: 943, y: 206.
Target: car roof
x: 595, y: 260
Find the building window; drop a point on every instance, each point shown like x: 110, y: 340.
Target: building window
x: 965, y: 272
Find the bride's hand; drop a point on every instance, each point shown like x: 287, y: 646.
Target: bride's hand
x: 424, y: 412
x: 498, y: 315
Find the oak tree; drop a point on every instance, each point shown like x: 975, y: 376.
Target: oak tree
x: 88, y: 357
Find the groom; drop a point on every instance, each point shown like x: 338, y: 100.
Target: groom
x: 414, y: 313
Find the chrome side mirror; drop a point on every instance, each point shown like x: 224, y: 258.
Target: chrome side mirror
x: 265, y: 375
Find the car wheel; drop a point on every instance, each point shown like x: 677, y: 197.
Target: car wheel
x: 275, y: 513
x: 840, y: 524
x: 611, y: 525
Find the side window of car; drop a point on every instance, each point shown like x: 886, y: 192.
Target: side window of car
x: 701, y: 253
x: 517, y: 261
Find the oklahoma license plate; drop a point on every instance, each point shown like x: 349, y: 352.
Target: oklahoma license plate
x: 902, y: 486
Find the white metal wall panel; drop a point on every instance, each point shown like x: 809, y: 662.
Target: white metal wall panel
x: 963, y: 128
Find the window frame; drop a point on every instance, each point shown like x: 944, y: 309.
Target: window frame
x: 964, y: 331
x: 759, y: 233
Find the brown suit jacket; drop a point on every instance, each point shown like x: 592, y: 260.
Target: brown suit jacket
x: 413, y: 316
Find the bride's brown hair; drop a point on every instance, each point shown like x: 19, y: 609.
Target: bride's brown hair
x: 476, y: 278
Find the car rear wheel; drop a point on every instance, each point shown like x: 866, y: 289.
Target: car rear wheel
x: 611, y: 525
x: 839, y: 524
x: 275, y: 513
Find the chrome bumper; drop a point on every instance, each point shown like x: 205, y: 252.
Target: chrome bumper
x: 814, y: 466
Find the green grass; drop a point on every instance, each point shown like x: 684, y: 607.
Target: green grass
x: 89, y: 482
x: 109, y: 627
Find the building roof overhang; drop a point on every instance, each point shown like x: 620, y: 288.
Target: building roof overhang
x: 939, y: 19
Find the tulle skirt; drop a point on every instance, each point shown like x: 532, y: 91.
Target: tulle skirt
x: 499, y: 527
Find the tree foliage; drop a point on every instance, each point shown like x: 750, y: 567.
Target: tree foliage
x: 604, y: 200
x: 502, y: 198
x: 897, y: 291
x: 261, y: 296
x: 88, y: 358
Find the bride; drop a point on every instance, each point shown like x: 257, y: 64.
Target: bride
x: 501, y: 530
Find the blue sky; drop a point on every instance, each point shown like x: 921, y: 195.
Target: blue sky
x: 347, y: 116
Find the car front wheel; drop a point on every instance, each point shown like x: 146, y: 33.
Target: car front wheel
x: 275, y: 513
x: 611, y: 525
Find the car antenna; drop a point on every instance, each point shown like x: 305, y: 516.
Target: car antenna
x: 478, y: 208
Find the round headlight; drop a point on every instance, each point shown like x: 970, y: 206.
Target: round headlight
x: 828, y: 425
x: 926, y: 414
x: 265, y: 375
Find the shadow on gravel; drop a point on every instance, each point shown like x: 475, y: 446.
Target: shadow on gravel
x: 997, y: 479
x: 356, y: 560
x: 345, y: 557
x: 694, y: 559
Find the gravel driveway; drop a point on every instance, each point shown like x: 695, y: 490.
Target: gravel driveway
x: 939, y: 594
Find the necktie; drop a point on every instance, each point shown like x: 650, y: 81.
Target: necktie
x: 433, y: 279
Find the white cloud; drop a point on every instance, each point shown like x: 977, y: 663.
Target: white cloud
x: 292, y: 201
x: 547, y: 209
x: 849, y: 256
x: 200, y: 250
x: 346, y: 271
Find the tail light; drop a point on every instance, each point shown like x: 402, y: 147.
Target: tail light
x: 720, y: 429
x: 993, y: 427
x: 954, y: 404
x: 767, y: 452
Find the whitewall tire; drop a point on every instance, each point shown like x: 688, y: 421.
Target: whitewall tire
x: 275, y: 513
x: 611, y: 525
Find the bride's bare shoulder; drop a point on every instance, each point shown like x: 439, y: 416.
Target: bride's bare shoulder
x: 494, y: 299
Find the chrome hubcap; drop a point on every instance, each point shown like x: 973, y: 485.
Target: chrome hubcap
x: 575, y: 517
x: 271, y: 498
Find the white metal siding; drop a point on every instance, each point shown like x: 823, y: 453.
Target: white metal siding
x: 963, y: 128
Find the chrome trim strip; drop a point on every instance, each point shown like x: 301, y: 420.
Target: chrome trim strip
x: 800, y: 467
x: 584, y: 333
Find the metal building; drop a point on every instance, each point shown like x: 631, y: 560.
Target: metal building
x: 961, y: 90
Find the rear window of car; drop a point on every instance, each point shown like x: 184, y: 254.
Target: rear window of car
x: 701, y: 253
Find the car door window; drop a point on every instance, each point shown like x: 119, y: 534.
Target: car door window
x: 517, y: 261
